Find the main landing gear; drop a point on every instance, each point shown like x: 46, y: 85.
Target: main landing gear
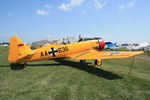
x: 82, y: 61
x: 98, y: 62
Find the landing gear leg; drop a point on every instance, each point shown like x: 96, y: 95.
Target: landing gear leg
x: 25, y: 64
x: 98, y: 62
x: 82, y: 61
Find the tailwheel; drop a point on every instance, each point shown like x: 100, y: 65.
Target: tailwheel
x: 98, y: 62
x: 25, y: 64
x: 82, y: 61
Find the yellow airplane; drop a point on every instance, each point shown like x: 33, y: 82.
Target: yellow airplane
x: 85, y: 49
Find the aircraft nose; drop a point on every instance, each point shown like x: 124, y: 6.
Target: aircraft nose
x: 101, y: 44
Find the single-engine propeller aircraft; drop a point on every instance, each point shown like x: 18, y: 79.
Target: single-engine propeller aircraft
x: 84, y: 49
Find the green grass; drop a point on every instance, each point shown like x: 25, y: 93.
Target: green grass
x: 71, y: 80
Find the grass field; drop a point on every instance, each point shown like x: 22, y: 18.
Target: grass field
x: 70, y: 80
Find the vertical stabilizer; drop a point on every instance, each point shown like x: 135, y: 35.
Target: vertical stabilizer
x: 17, y: 49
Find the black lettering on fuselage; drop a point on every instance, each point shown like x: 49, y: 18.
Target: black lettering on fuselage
x: 52, y: 51
x: 42, y: 55
x: 46, y: 54
x: 63, y: 49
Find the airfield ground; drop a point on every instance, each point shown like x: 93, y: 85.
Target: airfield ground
x: 70, y: 80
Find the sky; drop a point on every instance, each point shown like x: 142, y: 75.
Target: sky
x: 113, y: 20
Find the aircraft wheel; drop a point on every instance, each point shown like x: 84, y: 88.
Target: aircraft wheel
x: 98, y: 62
x: 82, y: 61
x: 25, y: 64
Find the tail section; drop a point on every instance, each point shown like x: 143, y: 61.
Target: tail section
x: 18, y: 50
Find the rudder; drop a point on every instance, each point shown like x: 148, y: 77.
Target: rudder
x: 16, y: 49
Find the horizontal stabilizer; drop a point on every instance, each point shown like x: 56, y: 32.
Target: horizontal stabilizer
x: 27, y: 55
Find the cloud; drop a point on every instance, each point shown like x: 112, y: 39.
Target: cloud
x: 11, y: 14
x: 70, y: 5
x: 130, y: 4
x: 48, y: 6
x: 84, y: 11
x: 45, y: 11
x: 100, y: 4
x: 121, y: 6
x: 42, y: 12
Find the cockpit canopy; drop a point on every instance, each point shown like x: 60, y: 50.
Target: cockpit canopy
x: 88, y: 39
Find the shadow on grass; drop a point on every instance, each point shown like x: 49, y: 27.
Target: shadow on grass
x: 14, y: 66
x: 4, y: 66
x: 90, y: 69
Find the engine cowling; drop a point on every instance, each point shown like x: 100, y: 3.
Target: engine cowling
x: 101, y: 44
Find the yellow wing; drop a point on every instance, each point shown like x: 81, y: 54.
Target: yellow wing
x: 92, y: 54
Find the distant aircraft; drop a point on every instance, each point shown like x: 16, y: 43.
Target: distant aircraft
x: 113, y: 46
x: 4, y: 44
x: 117, y: 47
x: 108, y: 45
x: 141, y: 46
x: 147, y: 48
x: 87, y: 48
